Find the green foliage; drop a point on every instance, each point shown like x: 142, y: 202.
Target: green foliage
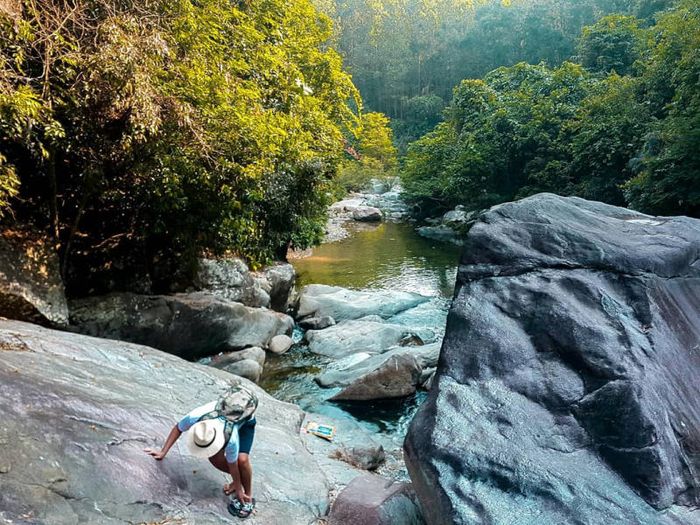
x: 613, y: 43
x: 407, y: 55
x: 375, y: 152
x: 152, y: 132
x: 668, y: 181
x: 622, y: 139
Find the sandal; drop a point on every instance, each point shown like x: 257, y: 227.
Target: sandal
x: 247, y: 509
x: 235, y: 507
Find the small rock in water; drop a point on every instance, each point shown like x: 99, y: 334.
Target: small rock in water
x: 245, y: 368
x: 253, y: 352
x: 280, y: 344
x: 317, y: 323
x: 367, y: 214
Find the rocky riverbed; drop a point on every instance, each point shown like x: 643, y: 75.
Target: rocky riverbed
x: 564, y: 391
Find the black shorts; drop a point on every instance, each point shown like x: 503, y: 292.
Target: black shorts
x: 246, y: 433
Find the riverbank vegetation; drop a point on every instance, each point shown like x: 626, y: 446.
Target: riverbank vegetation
x: 141, y: 134
x: 618, y: 123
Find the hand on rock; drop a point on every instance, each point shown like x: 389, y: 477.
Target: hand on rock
x: 157, y: 454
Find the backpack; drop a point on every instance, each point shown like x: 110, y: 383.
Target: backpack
x: 236, y: 406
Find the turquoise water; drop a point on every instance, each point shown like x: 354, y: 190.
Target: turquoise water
x: 388, y: 256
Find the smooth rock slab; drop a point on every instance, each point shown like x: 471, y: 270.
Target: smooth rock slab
x: 188, y: 325
x: 566, y: 390
x: 87, y: 407
x: 319, y: 300
x: 351, y: 337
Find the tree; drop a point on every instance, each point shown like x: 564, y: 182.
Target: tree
x: 613, y: 43
x: 144, y: 134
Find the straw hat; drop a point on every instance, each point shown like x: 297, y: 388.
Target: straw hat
x: 205, y: 438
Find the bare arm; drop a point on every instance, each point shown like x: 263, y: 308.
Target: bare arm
x: 169, y: 442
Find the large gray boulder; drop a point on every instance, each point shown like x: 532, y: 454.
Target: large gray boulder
x: 367, y: 214
x: 188, y: 325
x: 370, y: 336
x: 30, y: 281
x: 373, y: 500
x: 394, y: 374
x: 320, y: 300
x: 231, y: 279
x: 78, y: 411
x: 566, y: 390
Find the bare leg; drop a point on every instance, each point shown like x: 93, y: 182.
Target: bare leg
x: 246, y: 470
x: 219, y: 461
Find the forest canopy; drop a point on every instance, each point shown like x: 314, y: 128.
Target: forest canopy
x: 619, y: 123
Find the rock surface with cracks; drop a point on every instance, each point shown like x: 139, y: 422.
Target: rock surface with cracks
x: 566, y: 390
x: 78, y: 411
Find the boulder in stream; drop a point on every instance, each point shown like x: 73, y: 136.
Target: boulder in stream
x: 188, y: 325
x: 370, y: 336
x: 231, y: 279
x: 319, y: 300
x: 566, y: 390
x: 394, y: 374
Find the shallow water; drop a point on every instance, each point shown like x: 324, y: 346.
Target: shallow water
x: 388, y: 256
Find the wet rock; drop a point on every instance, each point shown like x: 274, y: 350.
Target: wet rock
x: 319, y: 300
x: 30, y: 282
x: 95, y: 404
x: 396, y: 377
x: 316, y: 323
x: 394, y: 374
x: 335, y: 458
x: 367, y: 214
x: 255, y: 353
x: 373, y: 500
x: 351, y: 337
x: 566, y: 386
x: 442, y: 233
x: 248, y: 368
x: 188, y: 325
x: 280, y: 344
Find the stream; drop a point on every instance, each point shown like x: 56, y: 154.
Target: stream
x: 385, y: 256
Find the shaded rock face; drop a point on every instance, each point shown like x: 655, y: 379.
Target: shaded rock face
x: 566, y: 390
x: 77, y: 412
x: 30, y: 283
x: 188, y: 325
x: 320, y: 300
x: 373, y: 500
